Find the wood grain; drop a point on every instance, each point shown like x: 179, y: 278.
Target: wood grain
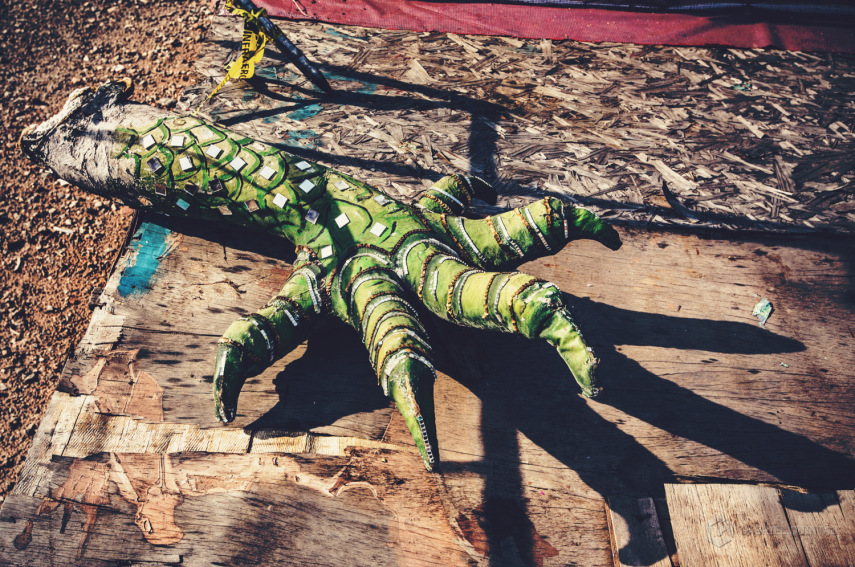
x: 635, y: 533
x: 824, y: 524
x: 720, y: 525
x: 695, y: 389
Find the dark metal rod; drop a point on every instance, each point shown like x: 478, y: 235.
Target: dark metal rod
x: 291, y: 51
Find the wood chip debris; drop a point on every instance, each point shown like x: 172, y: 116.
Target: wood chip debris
x: 756, y: 139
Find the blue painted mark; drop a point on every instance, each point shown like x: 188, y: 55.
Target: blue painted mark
x: 150, y: 245
x: 366, y: 88
x: 302, y: 138
x: 267, y: 73
x: 305, y: 112
x: 339, y: 34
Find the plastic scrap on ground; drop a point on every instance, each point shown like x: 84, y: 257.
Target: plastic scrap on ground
x: 762, y: 311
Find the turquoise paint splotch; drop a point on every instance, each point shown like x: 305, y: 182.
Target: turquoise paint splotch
x: 302, y: 138
x: 366, y: 88
x: 305, y: 112
x: 149, y: 246
x: 339, y: 34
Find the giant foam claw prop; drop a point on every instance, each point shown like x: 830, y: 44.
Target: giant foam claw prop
x: 362, y: 256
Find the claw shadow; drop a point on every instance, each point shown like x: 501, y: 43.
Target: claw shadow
x: 609, y: 460
x: 319, y: 392
x: 549, y: 412
x: 552, y: 415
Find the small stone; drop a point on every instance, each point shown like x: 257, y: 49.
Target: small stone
x: 378, y: 229
x: 214, y: 151
x: 342, y: 220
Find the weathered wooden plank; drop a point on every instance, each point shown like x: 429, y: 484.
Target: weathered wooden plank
x: 51, y: 438
x: 635, y: 533
x: 203, y: 509
x: 718, y: 525
x: 694, y: 387
x: 824, y: 524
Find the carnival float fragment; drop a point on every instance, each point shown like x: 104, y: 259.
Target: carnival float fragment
x: 363, y: 256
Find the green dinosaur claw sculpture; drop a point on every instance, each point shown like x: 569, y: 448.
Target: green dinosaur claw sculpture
x: 362, y: 256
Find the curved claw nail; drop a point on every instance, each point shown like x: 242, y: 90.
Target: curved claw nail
x: 411, y: 386
x: 229, y: 377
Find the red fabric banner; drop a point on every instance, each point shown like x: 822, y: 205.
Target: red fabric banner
x: 582, y: 24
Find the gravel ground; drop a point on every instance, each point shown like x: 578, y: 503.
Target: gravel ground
x: 58, y: 243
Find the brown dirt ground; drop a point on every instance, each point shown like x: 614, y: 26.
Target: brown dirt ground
x: 58, y: 243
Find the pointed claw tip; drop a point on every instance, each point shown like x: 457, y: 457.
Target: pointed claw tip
x: 592, y: 392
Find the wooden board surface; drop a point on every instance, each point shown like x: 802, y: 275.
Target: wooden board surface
x: 721, y: 525
x: 130, y: 466
x: 824, y: 524
x: 695, y: 390
x: 636, y: 533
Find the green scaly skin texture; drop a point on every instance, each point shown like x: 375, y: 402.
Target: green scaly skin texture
x: 364, y: 257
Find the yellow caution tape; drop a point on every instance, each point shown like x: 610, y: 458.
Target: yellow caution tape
x: 251, y: 47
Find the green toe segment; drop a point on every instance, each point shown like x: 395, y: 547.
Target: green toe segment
x: 253, y: 343
x: 229, y: 376
x: 563, y: 334
x: 410, y: 383
x: 543, y: 314
x: 452, y: 195
x: 586, y: 224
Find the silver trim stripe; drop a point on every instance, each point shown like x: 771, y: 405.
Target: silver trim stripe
x: 536, y: 229
x: 369, y: 278
x: 425, y: 438
x: 436, y: 273
x: 496, y: 303
x: 312, y: 284
x: 405, y: 332
x: 459, y: 287
x: 470, y: 242
x: 378, y: 257
x: 449, y: 195
x: 508, y: 238
x: 389, y: 315
x: 271, y: 348
x: 377, y: 302
x: 403, y: 270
